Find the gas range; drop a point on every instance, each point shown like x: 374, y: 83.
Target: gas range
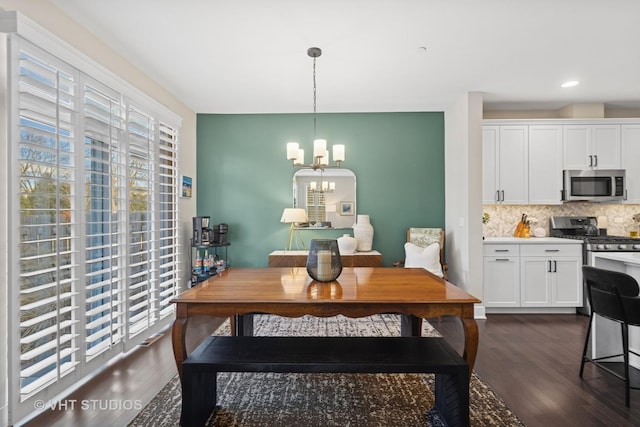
x: 607, y: 243
x: 585, y: 228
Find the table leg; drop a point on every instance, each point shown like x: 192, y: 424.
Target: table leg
x: 178, y: 335
x: 242, y: 325
x: 470, y: 342
x: 410, y: 326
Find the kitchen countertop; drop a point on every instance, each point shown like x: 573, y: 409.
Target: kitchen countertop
x: 531, y: 240
x: 632, y: 258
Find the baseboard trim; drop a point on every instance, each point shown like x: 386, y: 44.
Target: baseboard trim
x: 530, y: 310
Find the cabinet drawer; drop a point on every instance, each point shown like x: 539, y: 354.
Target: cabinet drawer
x: 551, y: 250
x: 501, y: 250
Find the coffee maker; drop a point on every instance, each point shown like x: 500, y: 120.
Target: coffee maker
x: 220, y: 233
x: 202, y: 234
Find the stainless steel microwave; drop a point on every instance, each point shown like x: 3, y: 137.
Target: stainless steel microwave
x: 594, y: 185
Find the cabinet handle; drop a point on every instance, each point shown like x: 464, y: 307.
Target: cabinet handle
x: 503, y: 259
x: 548, y: 266
x: 555, y: 266
x: 596, y: 158
x: 497, y: 195
x: 552, y: 250
x: 590, y: 161
x: 502, y: 250
x: 502, y: 192
x: 625, y: 194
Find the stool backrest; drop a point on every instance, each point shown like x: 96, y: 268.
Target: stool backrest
x: 613, y: 294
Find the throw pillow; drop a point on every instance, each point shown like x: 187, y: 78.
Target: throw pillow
x: 427, y: 258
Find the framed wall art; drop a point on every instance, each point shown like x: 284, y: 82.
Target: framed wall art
x: 186, y: 186
x: 346, y: 208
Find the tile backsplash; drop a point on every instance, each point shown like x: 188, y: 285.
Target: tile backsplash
x: 503, y: 218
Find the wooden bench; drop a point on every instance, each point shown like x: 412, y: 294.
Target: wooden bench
x: 324, y: 355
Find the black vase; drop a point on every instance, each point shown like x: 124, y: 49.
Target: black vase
x: 324, y: 263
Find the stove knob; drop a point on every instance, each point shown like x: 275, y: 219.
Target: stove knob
x: 636, y: 246
x: 608, y: 247
x: 600, y: 247
x: 622, y: 247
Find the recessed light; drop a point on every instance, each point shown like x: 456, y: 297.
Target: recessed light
x: 572, y: 83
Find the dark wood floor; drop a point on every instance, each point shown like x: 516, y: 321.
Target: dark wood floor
x: 531, y: 361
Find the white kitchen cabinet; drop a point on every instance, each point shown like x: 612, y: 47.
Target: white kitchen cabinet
x: 505, y: 164
x: 591, y: 146
x: 550, y: 275
x: 545, y: 164
x: 535, y: 274
x: 630, y: 138
x: 490, y: 138
x: 501, y: 276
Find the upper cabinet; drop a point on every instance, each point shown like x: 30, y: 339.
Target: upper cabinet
x: 591, y: 146
x: 504, y: 154
x: 545, y: 164
x: 523, y: 160
x: 630, y: 138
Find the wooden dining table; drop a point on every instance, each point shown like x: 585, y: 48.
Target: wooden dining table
x: 358, y: 292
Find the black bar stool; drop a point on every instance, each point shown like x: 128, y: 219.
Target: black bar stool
x: 614, y: 296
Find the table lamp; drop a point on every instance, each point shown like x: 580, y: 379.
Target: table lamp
x: 293, y: 216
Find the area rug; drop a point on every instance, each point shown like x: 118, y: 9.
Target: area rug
x: 353, y: 400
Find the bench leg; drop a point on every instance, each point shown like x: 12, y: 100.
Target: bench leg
x: 198, y: 396
x: 452, y: 398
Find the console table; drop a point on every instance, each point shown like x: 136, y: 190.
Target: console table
x: 298, y: 258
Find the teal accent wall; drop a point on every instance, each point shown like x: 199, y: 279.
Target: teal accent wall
x: 245, y: 180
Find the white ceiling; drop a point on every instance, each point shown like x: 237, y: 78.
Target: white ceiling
x: 249, y: 56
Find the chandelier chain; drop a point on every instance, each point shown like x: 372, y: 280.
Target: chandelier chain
x: 314, y: 97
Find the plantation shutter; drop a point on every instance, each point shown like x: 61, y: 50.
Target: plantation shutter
x: 48, y: 279
x: 105, y: 216
x: 169, y: 273
x: 316, y: 207
x: 143, y: 296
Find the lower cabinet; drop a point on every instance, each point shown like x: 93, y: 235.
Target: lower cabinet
x: 501, y: 276
x: 535, y: 275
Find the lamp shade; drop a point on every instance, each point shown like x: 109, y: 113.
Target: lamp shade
x: 290, y: 215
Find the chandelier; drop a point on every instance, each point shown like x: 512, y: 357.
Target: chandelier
x: 320, y: 153
x: 324, y: 187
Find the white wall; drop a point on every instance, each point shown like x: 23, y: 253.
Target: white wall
x: 463, y: 176
x: 48, y: 16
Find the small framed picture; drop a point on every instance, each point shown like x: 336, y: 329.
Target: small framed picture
x: 186, y: 185
x: 346, y: 208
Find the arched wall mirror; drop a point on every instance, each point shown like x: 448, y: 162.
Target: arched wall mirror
x: 328, y: 196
